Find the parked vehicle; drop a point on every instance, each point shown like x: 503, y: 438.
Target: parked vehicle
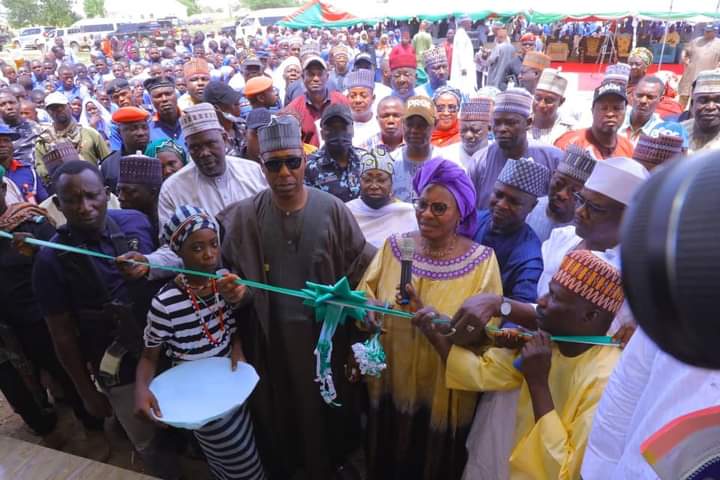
x: 72, y: 36
x: 147, y: 33
x: 32, y: 37
x: 260, y: 20
x: 85, y: 32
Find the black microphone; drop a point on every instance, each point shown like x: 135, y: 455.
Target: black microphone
x: 407, y: 250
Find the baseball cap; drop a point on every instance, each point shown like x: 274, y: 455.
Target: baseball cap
x: 363, y: 57
x: 610, y: 88
x: 709, y: 27
x: 420, y: 106
x: 252, y: 61
x: 117, y: 85
x: 336, y: 110
x: 312, y: 58
x: 56, y: 98
x: 220, y: 93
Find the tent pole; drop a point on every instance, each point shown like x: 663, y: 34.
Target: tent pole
x: 664, y: 39
x: 662, y: 49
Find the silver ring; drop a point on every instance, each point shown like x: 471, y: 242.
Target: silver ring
x: 469, y: 328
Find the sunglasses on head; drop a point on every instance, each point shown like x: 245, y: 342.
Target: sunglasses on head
x: 275, y: 166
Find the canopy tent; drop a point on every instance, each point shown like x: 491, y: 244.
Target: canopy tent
x: 318, y: 13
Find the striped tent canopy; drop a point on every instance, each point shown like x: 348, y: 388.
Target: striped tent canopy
x: 317, y: 13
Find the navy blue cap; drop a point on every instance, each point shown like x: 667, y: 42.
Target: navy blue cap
x: 220, y: 93
x: 336, y: 110
x: 117, y: 85
x: 156, y: 82
x: 8, y: 132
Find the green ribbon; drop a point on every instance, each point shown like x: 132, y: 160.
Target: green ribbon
x: 332, y: 305
x: 586, y: 339
x: 345, y: 303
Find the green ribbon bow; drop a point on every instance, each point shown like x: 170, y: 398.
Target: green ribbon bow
x: 332, y: 305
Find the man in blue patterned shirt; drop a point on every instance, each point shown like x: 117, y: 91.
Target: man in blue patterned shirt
x: 335, y: 168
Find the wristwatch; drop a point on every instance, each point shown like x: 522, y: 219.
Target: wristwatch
x: 505, y: 307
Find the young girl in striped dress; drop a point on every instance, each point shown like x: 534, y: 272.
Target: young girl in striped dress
x: 193, y: 318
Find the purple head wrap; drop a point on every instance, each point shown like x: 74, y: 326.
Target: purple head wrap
x: 451, y: 176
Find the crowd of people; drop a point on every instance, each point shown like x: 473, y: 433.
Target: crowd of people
x: 316, y: 155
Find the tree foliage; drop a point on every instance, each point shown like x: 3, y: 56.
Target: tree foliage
x: 257, y: 4
x: 54, y: 13
x: 191, y: 6
x: 21, y: 13
x: 94, y: 8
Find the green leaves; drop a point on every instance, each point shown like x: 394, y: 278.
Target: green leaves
x: 54, y: 13
x: 94, y: 8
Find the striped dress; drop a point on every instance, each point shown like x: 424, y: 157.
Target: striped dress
x: 228, y: 443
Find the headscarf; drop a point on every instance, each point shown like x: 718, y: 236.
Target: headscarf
x: 442, y: 138
x: 166, y: 145
x: 105, y: 117
x: 278, y: 75
x: 643, y: 54
x: 185, y: 221
x: 450, y: 175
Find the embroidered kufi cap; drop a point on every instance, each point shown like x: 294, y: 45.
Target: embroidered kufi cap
x: 477, y: 109
x: 551, y: 81
x: 526, y: 175
x: 514, y: 100
x: 657, y: 150
x: 199, y: 118
x: 591, y: 278
x: 707, y: 81
x: 140, y: 170
x: 434, y: 56
x: 281, y: 133
x: 577, y: 163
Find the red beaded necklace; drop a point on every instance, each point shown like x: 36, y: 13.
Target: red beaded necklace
x: 196, y: 306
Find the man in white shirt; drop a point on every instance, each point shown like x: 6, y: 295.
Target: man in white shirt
x: 648, y: 389
x: 462, y: 72
x: 549, y: 123
x: 212, y: 181
x: 360, y: 94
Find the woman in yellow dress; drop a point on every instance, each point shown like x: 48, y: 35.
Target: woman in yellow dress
x: 417, y: 427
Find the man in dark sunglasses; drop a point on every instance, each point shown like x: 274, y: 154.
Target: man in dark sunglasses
x: 285, y: 236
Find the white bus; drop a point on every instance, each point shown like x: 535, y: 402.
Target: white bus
x: 260, y: 20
